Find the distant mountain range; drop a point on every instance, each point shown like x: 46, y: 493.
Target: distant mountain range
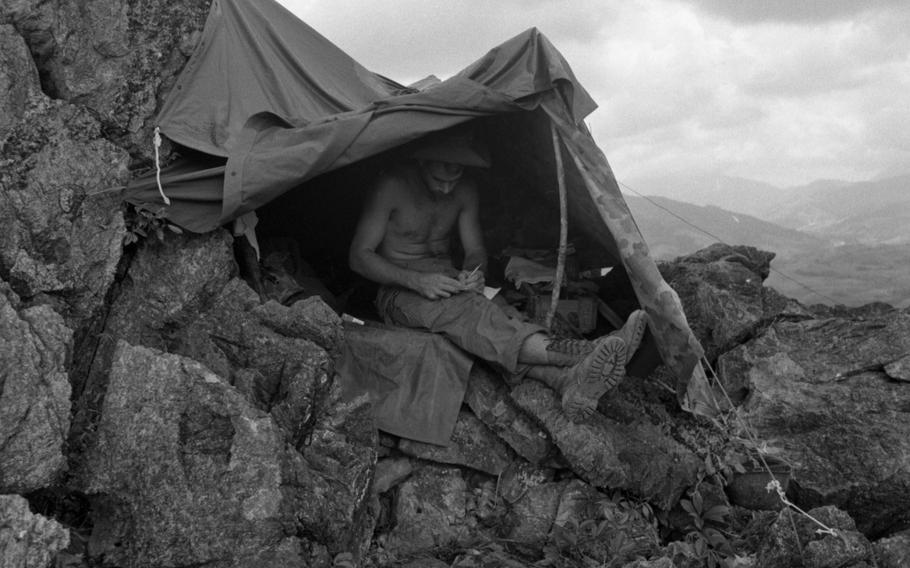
x: 870, y: 212
x: 847, y: 242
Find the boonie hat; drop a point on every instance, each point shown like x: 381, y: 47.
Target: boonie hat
x: 455, y: 146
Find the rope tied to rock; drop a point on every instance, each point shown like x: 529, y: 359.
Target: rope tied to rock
x: 157, y: 143
x: 774, y: 484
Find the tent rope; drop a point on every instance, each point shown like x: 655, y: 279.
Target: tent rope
x: 774, y: 484
x: 720, y: 240
x: 563, y: 229
x: 157, y: 143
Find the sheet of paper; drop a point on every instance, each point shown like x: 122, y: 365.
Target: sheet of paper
x: 490, y: 293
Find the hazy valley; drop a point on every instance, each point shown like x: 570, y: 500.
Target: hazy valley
x: 836, y: 242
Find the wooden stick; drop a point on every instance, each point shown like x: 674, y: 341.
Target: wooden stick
x: 563, y: 228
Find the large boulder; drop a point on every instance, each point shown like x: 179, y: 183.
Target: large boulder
x: 825, y: 537
x: 62, y: 230
x: 167, y: 286
x: 721, y: 291
x: 35, y: 346
x: 893, y: 551
x: 488, y: 397
x: 185, y: 471
x: 116, y: 59
x: 27, y: 540
x: 432, y: 510
x: 472, y: 445
x: 636, y: 457
x: 820, y: 390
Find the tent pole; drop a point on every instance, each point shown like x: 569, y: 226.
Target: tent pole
x: 563, y: 229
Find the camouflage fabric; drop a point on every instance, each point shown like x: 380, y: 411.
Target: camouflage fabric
x: 678, y: 346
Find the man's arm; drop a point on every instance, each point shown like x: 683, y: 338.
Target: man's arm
x: 364, y: 259
x: 471, y: 235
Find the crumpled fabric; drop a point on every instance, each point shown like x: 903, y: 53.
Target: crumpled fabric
x: 523, y: 271
x: 415, y: 379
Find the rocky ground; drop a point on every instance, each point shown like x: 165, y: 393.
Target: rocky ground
x: 155, y: 412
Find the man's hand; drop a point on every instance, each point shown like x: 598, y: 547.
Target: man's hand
x: 472, y: 280
x: 434, y: 286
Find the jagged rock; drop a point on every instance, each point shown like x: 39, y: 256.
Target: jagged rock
x: 472, y: 445
x: 519, y: 477
x: 167, y: 286
x: 608, y: 454
x: 390, y: 472
x: 626, y: 535
x: 35, y: 345
x: 27, y: 540
x: 340, y: 447
x: 281, y: 373
x: 893, y: 551
x: 488, y: 397
x: 662, y: 562
x: 899, y: 369
x: 185, y: 471
x: 820, y: 393
x: 431, y: 510
x: 793, y: 540
x: 310, y: 318
x: 19, y: 81
x: 62, y: 232
x: 722, y: 294
x: 116, y: 59
x: 535, y: 512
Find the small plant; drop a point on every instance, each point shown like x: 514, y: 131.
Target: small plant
x: 145, y: 222
x: 705, y: 542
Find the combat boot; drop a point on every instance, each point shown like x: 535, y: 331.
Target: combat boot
x: 582, y: 384
x: 568, y: 352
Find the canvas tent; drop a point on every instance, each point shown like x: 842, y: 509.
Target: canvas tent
x: 269, y: 105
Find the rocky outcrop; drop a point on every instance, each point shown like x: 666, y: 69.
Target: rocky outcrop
x: 431, y: 511
x: 35, y: 348
x: 27, y: 540
x: 795, y: 540
x: 894, y: 551
x: 819, y: 389
x: 472, y: 445
x: 488, y: 398
x: 62, y: 231
x: 116, y: 59
x: 186, y: 471
x: 208, y: 428
x: 167, y: 286
x: 822, y: 384
x: 608, y: 454
x: 723, y: 296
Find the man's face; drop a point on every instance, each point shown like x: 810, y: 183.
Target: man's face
x: 441, y: 177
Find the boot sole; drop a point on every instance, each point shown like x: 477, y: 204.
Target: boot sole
x: 633, y: 332
x: 607, y: 369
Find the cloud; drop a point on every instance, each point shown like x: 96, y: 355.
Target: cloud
x: 796, y: 11
x: 410, y: 39
x: 778, y: 91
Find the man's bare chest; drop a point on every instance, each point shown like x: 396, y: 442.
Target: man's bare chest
x: 425, y: 219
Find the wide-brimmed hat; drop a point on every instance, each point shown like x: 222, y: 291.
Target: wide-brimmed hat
x: 455, y: 146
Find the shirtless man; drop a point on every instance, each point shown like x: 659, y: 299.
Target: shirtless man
x: 403, y: 243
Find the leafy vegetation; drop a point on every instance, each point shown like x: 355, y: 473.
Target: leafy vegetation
x: 144, y: 221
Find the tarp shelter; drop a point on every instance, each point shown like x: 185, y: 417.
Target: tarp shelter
x: 273, y: 104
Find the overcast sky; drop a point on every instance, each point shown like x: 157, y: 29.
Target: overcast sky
x: 780, y: 91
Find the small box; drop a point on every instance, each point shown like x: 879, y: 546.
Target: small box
x: 580, y: 312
